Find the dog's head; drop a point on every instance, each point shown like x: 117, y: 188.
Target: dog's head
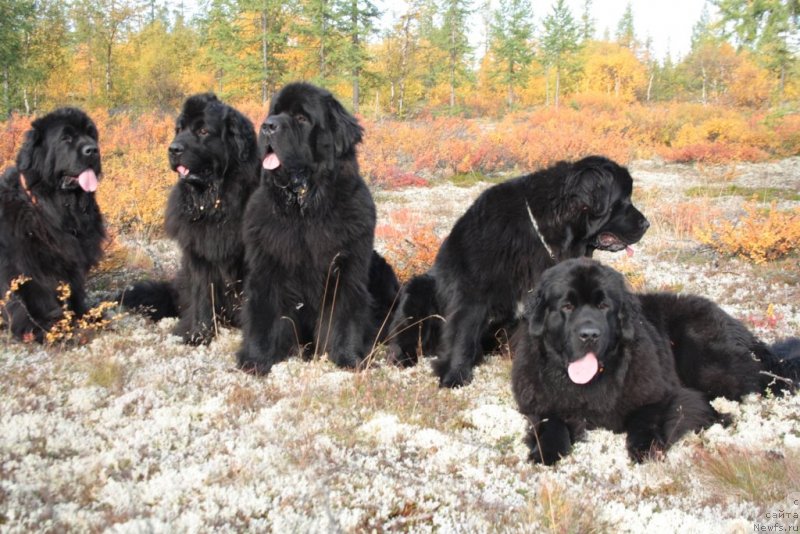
x: 303, y: 139
x: 599, y: 192
x: 60, y: 153
x: 212, y: 140
x: 582, y: 311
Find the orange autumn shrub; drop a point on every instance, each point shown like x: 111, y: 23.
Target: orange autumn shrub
x: 11, y: 138
x: 136, y: 173
x: 723, y: 136
x: 406, y: 153
x: 683, y: 218
x: 758, y: 236
x: 410, y: 246
x: 787, y: 135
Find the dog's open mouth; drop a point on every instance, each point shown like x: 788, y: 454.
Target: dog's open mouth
x: 271, y: 161
x: 612, y: 243
x: 582, y: 371
x: 86, y: 180
x: 191, y: 177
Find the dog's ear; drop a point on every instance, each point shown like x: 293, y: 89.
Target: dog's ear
x: 25, y: 156
x: 628, y: 312
x: 536, y: 310
x: 239, y: 134
x: 590, y: 184
x: 347, y: 132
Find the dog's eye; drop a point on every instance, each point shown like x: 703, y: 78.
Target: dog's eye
x: 603, y: 305
x: 66, y: 138
x: 202, y: 131
x: 301, y: 118
x: 567, y: 307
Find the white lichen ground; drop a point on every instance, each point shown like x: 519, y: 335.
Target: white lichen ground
x: 135, y: 432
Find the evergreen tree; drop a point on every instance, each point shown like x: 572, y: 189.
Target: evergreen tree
x: 587, y: 22
x: 265, y: 43
x: 626, y: 35
x: 511, y: 33
x: 46, y: 36
x: 451, y: 37
x: 320, y: 24
x: 222, y: 41
x: 766, y: 27
x: 14, y: 23
x: 358, y: 22
x: 560, y: 42
x: 402, y: 54
x: 100, y: 26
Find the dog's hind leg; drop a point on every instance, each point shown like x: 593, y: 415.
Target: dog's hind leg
x: 462, y: 348
x: 415, y: 325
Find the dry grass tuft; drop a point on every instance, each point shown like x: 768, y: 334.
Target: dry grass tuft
x: 763, y: 478
x: 554, y: 510
x: 107, y: 373
x: 418, y: 401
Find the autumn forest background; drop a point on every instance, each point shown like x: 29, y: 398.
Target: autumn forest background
x: 544, y: 84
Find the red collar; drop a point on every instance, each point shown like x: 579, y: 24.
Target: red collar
x: 24, y: 184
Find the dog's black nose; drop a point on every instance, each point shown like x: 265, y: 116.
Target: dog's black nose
x: 644, y: 224
x: 271, y: 125
x: 589, y: 333
x: 176, y: 149
x: 90, y: 149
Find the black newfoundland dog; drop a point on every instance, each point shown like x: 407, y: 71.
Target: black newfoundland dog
x: 214, y: 153
x: 593, y: 354
x: 51, y: 229
x: 496, y: 252
x: 315, y: 283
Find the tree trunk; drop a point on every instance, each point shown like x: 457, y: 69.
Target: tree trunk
x: 108, y: 71
x: 558, y: 86
x: 704, y: 86
x: 404, y: 60
x: 264, y: 55
x: 6, y: 92
x: 324, y: 26
x: 453, y: 58
x: 356, y: 60
x: 650, y: 85
x: 547, y: 87
x: 510, y: 93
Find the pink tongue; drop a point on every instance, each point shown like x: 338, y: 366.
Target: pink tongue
x: 271, y: 162
x: 583, y: 370
x: 88, y: 181
x: 629, y: 251
x: 183, y: 171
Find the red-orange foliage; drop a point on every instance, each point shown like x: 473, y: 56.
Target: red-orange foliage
x: 13, y: 132
x: 410, y: 246
x: 404, y: 153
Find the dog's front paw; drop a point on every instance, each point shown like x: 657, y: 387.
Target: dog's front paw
x: 346, y: 361
x: 253, y: 366
x: 399, y: 358
x: 197, y: 337
x: 456, y: 377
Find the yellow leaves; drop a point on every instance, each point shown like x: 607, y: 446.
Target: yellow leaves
x: 756, y: 236
x: 613, y: 69
x: 67, y: 328
x: 751, y: 85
